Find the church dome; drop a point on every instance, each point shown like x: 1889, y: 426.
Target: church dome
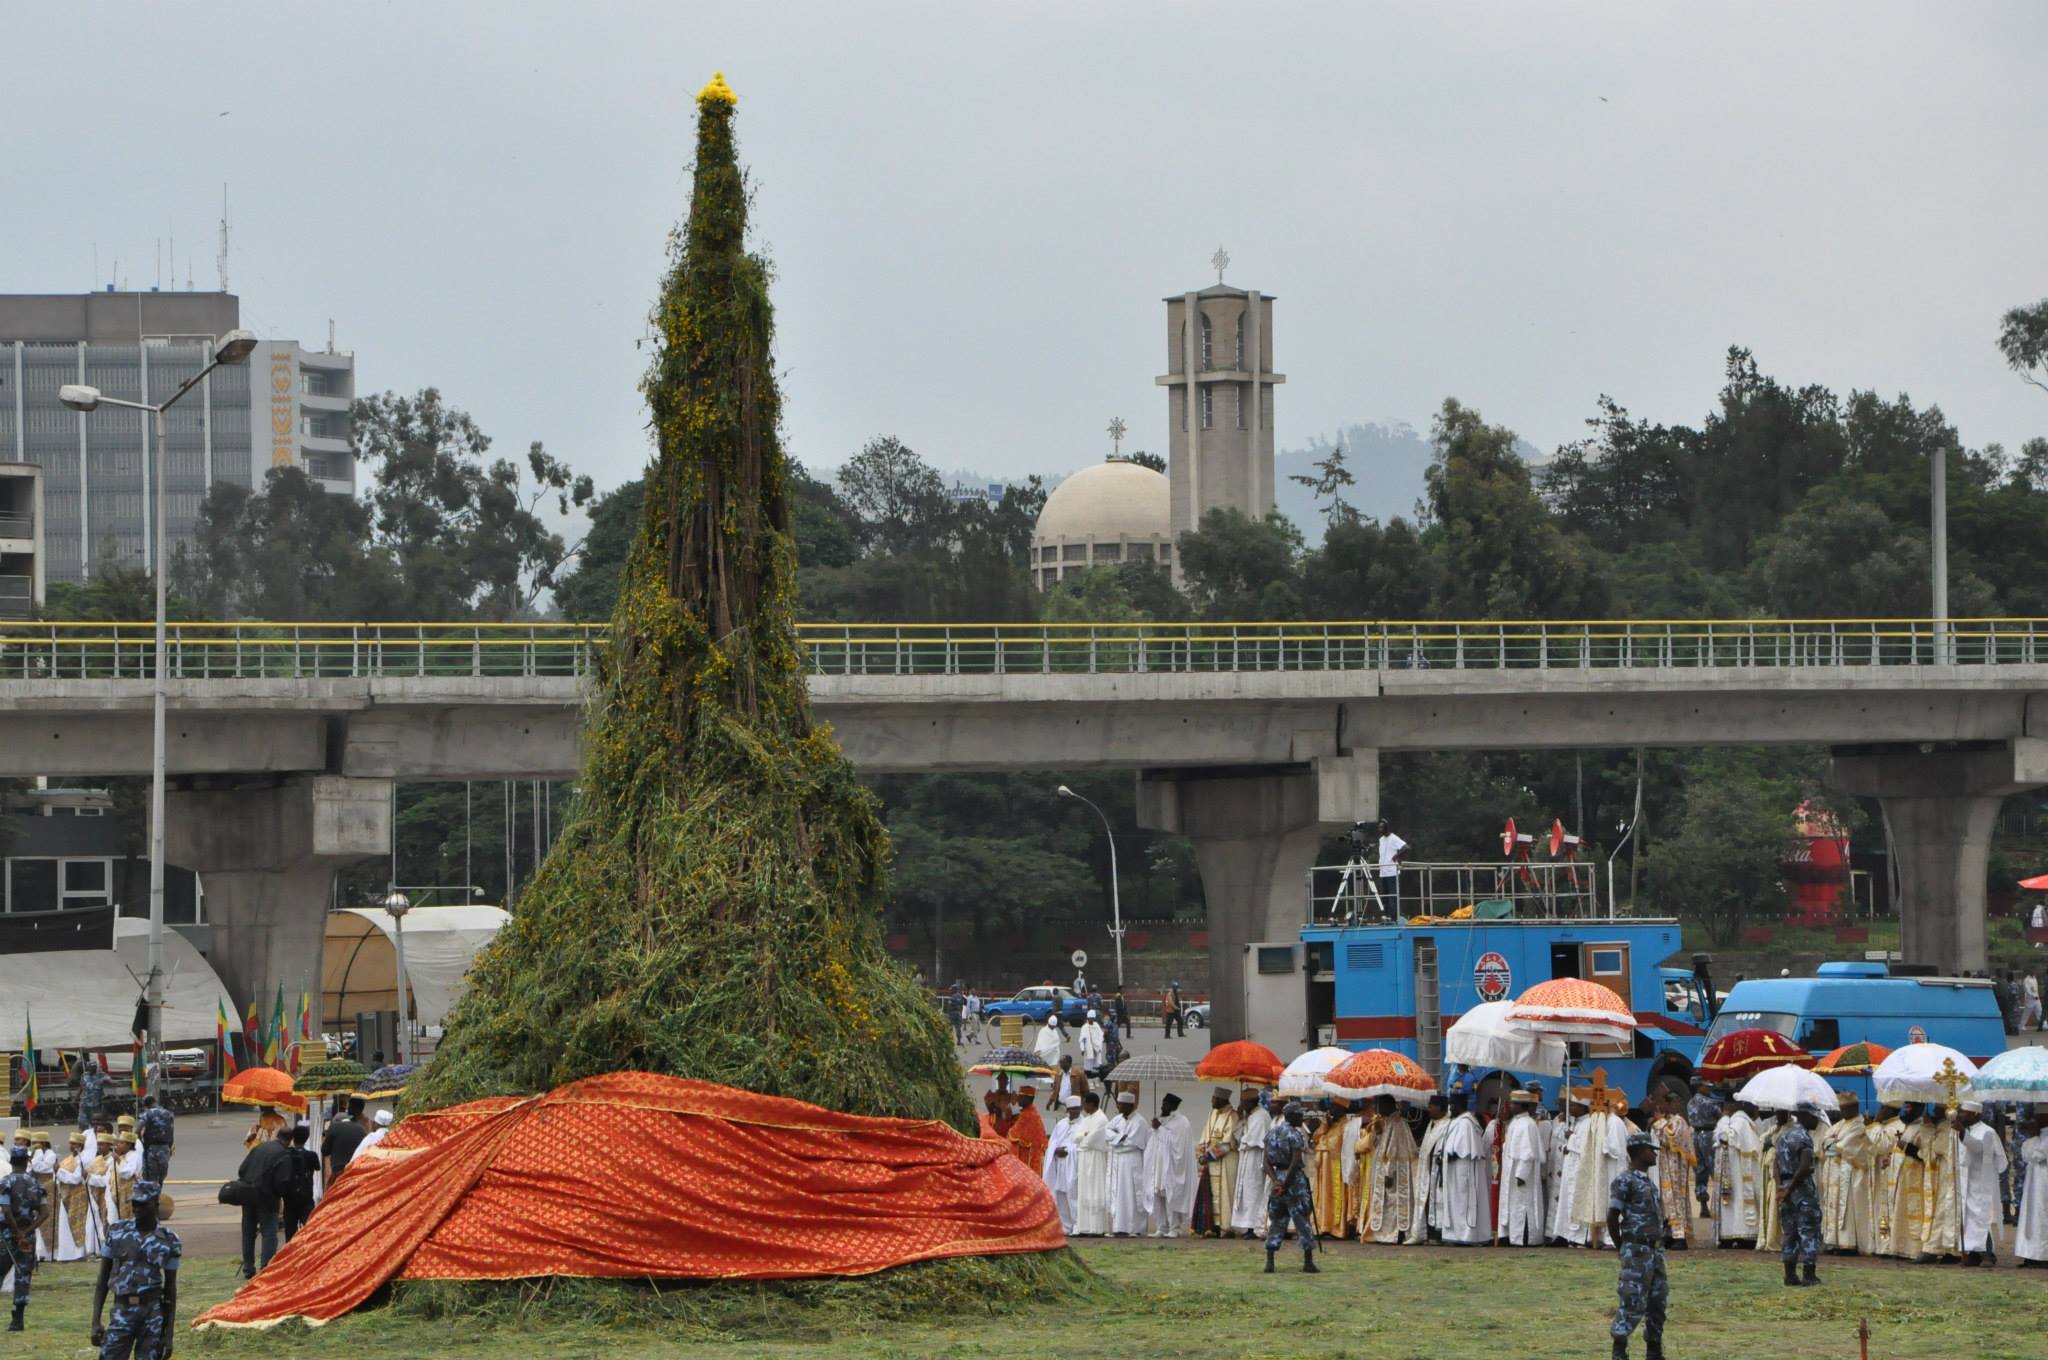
x: 1107, y: 514
x: 1106, y: 502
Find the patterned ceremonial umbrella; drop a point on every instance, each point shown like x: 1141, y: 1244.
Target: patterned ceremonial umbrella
x: 1240, y: 1062
x: 1152, y: 1067
x: 1783, y: 1088
x: 1746, y: 1052
x: 263, y: 1086
x: 1380, y: 1072
x: 1922, y: 1072
x: 386, y: 1083
x: 1852, y: 1060
x: 2018, y: 1074
x: 1018, y: 1062
x: 329, y: 1077
x: 1571, y: 1009
x: 1302, y: 1079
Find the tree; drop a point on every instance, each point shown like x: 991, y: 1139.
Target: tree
x: 466, y: 536
x: 2023, y: 340
x: 1848, y: 559
x: 589, y: 590
x: 288, y: 551
x: 1734, y: 831
x: 1147, y: 460
x: 1364, y: 571
x: 1237, y: 567
x: 1326, y: 481
x: 713, y: 906
x: 899, y: 503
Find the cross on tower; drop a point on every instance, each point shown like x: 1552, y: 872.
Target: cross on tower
x: 1951, y: 1080
x: 1117, y: 430
x: 1220, y: 261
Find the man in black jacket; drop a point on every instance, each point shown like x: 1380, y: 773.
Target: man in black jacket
x: 267, y: 1171
x: 298, y: 1195
x: 343, y: 1137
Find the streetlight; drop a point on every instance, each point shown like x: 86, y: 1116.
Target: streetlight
x: 1116, y: 908
x: 234, y: 348
x: 398, y: 904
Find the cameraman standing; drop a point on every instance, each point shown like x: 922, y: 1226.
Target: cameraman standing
x: 1392, y: 851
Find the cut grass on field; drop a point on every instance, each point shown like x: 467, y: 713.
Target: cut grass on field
x: 1189, y: 1301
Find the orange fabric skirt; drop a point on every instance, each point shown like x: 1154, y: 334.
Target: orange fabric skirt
x: 633, y: 1175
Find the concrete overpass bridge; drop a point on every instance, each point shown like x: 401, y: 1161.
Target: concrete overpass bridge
x: 1254, y: 740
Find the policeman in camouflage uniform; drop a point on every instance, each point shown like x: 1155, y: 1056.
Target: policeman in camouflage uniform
x: 157, y: 1127
x: 21, y: 1206
x: 1287, y: 1188
x: 1702, y: 1112
x: 140, y: 1265
x: 1635, y: 1221
x: 1798, y: 1197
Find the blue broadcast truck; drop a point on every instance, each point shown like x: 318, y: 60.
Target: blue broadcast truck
x: 1364, y: 976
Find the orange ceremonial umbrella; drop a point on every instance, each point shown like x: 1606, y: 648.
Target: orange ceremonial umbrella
x: 1380, y: 1072
x: 1746, y: 1052
x: 1240, y: 1062
x: 1853, y: 1060
x: 1574, y: 1009
x: 263, y: 1086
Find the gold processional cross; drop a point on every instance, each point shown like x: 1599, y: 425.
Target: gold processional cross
x: 1951, y: 1080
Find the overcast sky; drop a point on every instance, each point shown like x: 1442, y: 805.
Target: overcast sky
x: 975, y: 209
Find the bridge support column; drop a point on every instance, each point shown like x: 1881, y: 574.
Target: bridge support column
x: 1939, y: 811
x: 1255, y: 834
x: 266, y: 852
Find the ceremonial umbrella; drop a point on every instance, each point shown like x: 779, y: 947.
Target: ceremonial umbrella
x: 1784, y: 1087
x: 2018, y: 1074
x: 1240, y: 1061
x: 1571, y: 1009
x: 329, y: 1077
x: 1302, y: 1079
x: 1852, y: 1060
x: 1017, y: 1062
x: 386, y: 1083
x: 1485, y: 1037
x: 1746, y: 1052
x: 1152, y: 1067
x: 1380, y: 1072
x: 2038, y: 881
x: 1931, y: 1072
x: 263, y: 1086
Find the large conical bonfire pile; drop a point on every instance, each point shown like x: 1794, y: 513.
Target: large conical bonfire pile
x: 713, y: 907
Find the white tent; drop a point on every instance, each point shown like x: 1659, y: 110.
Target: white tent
x: 85, y: 998
x: 360, y: 969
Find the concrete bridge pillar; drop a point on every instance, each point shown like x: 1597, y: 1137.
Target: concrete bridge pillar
x: 1255, y: 834
x: 1940, y: 807
x: 266, y: 851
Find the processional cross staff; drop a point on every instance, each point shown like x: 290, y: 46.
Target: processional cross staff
x: 1951, y: 1080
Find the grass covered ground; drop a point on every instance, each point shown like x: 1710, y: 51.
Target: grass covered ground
x: 1195, y: 1300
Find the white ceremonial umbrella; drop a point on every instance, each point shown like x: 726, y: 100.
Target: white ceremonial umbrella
x: 1485, y: 1037
x: 1909, y: 1074
x: 1784, y: 1087
x: 1302, y: 1079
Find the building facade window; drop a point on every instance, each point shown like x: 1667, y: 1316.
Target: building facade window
x: 1208, y: 345
x: 1208, y: 407
x: 1237, y: 399
x: 1240, y: 340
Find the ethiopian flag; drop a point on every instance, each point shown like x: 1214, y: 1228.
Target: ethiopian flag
x: 228, y: 1065
x: 138, y: 1076
x: 305, y: 1030
x: 274, y: 1045
x: 28, y: 1064
x: 249, y: 1029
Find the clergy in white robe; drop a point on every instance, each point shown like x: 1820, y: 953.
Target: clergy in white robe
x: 1559, y: 1132
x: 1524, y: 1157
x: 1216, y: 1155
x: 1980, y: 1160
x: 1848, y: 1196
x: 77, y: 1232
x: 1463, y: 1217
x: 1738, y: 1177
x: 1248, y: 1209
x: 1128, y: 1135
x: 42, y: 1169
x: 1063, y: 1162
x: 1049, y: 1040
x: 2030, y: 1239
x: 1565, y: 1223
x: 1170, y: 1171
x: 1091, y: 1043
x: 1390, y: 1213
x: 1091, y: 1188
x: 1603, y: 1155
x: 1429, y: 1172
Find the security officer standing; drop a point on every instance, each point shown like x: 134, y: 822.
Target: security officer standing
x: 1798, y: 1197
x: 140, y: 1264
x: 158, y: 1129
x: 1287, y: 1188
x: 1635, y: 1222
x: 21, y: 1208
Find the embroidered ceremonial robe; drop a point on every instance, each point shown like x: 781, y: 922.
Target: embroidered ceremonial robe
x: 1390, y: 1210
x: 1675, y: 1162
x: 1217, y: 1153
x: 1738, y: 1176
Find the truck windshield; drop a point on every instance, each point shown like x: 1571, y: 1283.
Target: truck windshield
x: 1727, y: 1022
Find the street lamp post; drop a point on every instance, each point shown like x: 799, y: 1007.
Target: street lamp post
x: 1116, y: 908
x: 234, y: 348
x: 398, y: 904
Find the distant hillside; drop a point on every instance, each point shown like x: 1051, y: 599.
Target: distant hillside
x: 1388, y: 461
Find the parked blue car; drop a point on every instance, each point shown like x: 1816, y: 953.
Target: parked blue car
x: 1035, y: 1003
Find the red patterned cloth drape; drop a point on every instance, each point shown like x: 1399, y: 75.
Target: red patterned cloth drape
x: 635, y: 1175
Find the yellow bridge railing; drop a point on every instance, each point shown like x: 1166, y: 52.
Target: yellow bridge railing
x: 260, y: 650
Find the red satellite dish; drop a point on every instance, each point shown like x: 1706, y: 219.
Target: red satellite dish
x: 1507, y: 839
x: 1556, y: 836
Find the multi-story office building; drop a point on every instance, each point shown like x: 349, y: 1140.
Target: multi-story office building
x: 21, y: 539
x: 286, y: 406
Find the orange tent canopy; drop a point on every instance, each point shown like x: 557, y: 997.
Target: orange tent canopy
x: 721, y: 1184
